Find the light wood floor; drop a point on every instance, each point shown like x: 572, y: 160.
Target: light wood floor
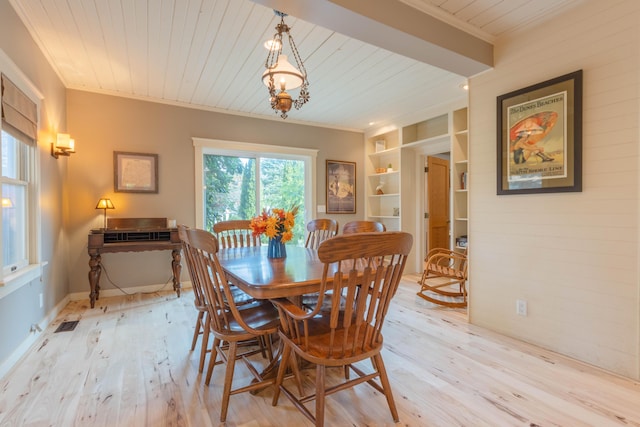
x: 128, y: 364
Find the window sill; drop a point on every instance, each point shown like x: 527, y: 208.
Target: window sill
x: 15, y: 281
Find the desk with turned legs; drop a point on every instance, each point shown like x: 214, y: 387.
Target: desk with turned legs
x: 132, y: 235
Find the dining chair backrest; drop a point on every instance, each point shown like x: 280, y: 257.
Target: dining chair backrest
x: 374, y: 267
x: 319, y: 230
x: 204, y: 249
x: 235, y: 234
x: 188, y: 257
x: 363, y: 227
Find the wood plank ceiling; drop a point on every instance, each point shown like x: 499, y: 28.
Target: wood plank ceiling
x: 209, y: 54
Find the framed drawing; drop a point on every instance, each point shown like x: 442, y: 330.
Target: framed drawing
x: 341, y: 187
x: 135, y: 172
x: 540, y: 137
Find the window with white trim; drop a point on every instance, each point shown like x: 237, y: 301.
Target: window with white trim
x: 19, y: 187
x: 268, y: 192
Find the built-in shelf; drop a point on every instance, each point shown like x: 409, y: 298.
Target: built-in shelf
x: 385, y: 195
x: 460, y: 176
x: 426, y: 141
x: 403, y: 147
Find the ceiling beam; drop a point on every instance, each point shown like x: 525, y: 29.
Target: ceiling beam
x: 397, y: 27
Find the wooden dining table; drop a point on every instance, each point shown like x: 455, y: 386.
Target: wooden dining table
x: 249, y: 268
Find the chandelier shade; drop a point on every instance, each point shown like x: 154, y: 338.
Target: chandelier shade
x: 283, y: 72
x: 280, y: 74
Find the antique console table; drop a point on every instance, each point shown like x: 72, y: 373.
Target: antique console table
x: 132, y: 235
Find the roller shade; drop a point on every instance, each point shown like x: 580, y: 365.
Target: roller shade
x: 19, y: 112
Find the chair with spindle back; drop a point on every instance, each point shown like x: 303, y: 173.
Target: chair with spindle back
x: 229, y: 323
x: 235, y: 233
x: 200, y: 302
x: 363, y: 227
x: 351, y: 330
x: 319, y: 230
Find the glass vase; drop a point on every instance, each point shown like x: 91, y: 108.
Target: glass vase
x: 276, y: 248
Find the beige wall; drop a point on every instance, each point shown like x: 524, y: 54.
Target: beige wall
x: 103, y: 124
x: 572, y: 256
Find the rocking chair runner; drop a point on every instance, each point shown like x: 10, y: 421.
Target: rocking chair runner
x: 444, y: 268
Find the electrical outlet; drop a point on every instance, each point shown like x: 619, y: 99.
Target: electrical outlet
x: 41, y: 300
x: 521, y: 307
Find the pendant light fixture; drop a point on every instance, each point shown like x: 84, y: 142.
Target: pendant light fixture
x: 281, y: 75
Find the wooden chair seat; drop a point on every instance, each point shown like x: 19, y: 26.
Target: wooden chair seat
x: 444, y: 279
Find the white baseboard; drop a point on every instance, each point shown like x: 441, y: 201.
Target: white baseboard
x: 23, y: 348
x: 77, y: 296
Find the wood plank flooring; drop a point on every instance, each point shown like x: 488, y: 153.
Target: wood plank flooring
x: 128, y: 363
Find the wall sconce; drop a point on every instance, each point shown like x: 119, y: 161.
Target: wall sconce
x: 64, y: 145
x: 105, y: 204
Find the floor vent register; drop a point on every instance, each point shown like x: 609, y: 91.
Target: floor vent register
x: 67, y: 326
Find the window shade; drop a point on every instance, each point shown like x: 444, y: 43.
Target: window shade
x: 19, y: 113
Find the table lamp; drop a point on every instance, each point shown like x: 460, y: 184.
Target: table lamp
x: 105, y: 204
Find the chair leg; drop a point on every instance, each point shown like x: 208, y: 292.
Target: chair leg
x: 197, y: 330
x: 386, y: 385
x: 320, y: 394
x: 228, y: 379
x: 284, y: 361
x: 205, y: 342
x: 212, y: 359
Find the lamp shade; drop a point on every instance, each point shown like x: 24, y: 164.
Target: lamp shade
x: 283, y: 72
x: 105, y: 204
x: 64, y: 141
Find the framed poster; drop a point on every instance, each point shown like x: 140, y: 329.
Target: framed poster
x: 540, y: 137
x: 135, y: 172
x: 341, y: 187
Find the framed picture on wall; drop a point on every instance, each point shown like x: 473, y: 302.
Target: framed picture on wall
x: 135, y: 172
x: 341, y: 187
x: 540, y: 137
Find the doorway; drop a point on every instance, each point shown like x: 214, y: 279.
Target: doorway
x: 436, y: 200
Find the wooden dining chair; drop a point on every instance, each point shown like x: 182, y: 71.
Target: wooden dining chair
x: 363, y: 227
x: 350, y: 333
x: 235, y: 233
x: 202, y: 320
x: 202, y: 327
x: 319, y: 230
x: 444, y: 279
x: 229, y: 324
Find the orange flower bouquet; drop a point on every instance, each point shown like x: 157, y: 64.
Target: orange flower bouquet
x: 275, y: 223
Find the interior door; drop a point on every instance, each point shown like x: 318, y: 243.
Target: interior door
x: 438, y: 203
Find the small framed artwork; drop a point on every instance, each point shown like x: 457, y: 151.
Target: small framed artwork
x: 540, y: 137
x: 341, y: 187
x: 135, y: 172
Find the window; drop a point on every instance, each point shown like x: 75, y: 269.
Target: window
x: 15, y: 194
x: 239, y: 180
x: 19, y: 189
